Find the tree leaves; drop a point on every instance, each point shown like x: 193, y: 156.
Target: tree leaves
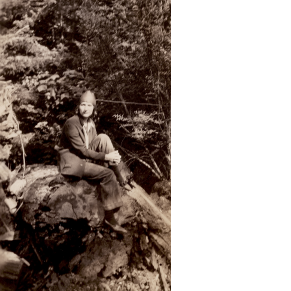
x: 119, y: 48
x: 23, y: 55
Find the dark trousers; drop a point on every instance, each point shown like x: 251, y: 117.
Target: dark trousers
x: 102, y: 175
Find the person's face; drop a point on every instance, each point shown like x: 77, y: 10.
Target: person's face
x: 86, y: 109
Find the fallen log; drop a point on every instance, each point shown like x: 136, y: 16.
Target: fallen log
x: 159, y: 221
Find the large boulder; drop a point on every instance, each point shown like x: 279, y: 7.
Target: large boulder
x: 63, y: 222
x: 65, y: 217
x: 50, y: 200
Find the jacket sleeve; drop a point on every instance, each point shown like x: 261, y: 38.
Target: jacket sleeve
x: 72, y: 134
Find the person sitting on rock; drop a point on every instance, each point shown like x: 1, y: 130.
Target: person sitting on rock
x: 80, y: 146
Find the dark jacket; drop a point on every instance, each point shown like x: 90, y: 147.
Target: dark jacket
x: 72, y: 149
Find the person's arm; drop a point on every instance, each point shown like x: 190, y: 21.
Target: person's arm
x: 72, y: 133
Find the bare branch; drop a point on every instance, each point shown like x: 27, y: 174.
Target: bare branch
x: 22, y: 146
x: 154, y: 162
x: 141, y: 161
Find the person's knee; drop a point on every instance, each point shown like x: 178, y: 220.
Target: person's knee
x: 103, y: 137
x: 102, y: 143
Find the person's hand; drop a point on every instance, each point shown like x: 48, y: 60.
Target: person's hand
x: 113, y: 157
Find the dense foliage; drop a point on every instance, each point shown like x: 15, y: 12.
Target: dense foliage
x: 119, y: 49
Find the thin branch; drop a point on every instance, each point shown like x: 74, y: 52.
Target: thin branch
x: 124, y: 127
x: 130, y: 161
x: 147, y: 165
x: 141, y: 161
x: 22, y: 146
x: 135, y: 103
x: 154, y: 162
x: 155, y: 151
x: 123, y: 102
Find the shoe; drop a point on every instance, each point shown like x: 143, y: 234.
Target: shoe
x: 122, y: 173
x: 118, y: 175
x: 117, y: 227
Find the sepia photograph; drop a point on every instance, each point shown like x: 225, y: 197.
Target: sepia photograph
x: 85, y: 145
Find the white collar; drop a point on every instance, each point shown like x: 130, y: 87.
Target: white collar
x: 90, y: 124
